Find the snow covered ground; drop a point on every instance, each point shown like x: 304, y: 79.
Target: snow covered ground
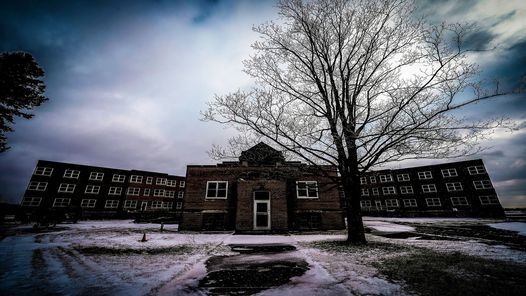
x: 107, y: 257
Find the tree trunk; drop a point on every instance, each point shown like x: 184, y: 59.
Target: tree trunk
x: 355, y: 230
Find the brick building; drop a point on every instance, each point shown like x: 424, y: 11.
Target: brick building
x: 261, y: 193
x: 101, y: 192
x: 450, y: 189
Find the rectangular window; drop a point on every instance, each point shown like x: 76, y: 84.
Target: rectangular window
x: 410, y: 203
x: 61, y: 202
x: 66, y: 188
x: 160, y: 181
x: 179, y: 205
x: 43, y: 171
x: 171, y: 183
x: 88, y: 203
x: 133, y: 191
x: 448, y: 173
x: 118, y: 178
x: 403, y: 177
x: 307, y: 189
x: 31, y: 201
x: 386, y: 178
x: 392, y: 203
x: 428, y: 188
x: 115, y: 191
x: 391, y: 190
x: 170, y: 193
x: 182, y: 184
x: 37, y: 186
x: 168, y: 205
x: 476, y: 170
x: 157, y: 204
x: 425, y: 175
x: 158, y: 192
x: 216, y: 189
x: 376, y: 191
x: 111, y: 204
x: 365, y: 204
x: 96, y: 176
x: 406, y: 189
x: 372, y: 179
x: 180, y: 194
x: 92, y: 189
x: 454, y: 186
x: 433, y: 202
x: 135, y: 179
x: 130, y: 204
x: 459, y: 201
x: 146, y: 192
x: 363, y: 180
x: 149, y: 180
x: 482, y: 184
x: 489, y: 200
x: 73, y: 174
x: 365, y: 192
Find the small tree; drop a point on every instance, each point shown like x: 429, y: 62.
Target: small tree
x: 21, y: 90
x: 357, y: 84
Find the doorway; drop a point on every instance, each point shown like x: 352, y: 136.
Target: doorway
x: 261, y: 210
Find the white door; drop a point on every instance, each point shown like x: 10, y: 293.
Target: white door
x: 261, y: 214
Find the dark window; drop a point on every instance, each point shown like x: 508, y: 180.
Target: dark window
x: 309, y: 221
x: 214, y: 221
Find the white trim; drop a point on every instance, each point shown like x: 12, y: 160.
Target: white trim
x: 459, y: 201
x: 88, y: 203
x: 488, y: 200
x: 61, y: 202
x: 389, y: 190
x: 425, y: 175
x: 429, y: 188
x: 258, y: 201
x: 115, y: 190
x: 216, y: 189
x: 31, y: 201
x: 92, y: 189
x: 454, y: 186
x: 133, y: 191
x: 71, y: 174
x: 37, y: 186
x: 111, y: 204
x: 448, y: 173
x: 130, y: 204
x: 482, y: 184
x: 307, y: 189
x: 403, y: 177
x: 135, y: 179
x: 406, y: 189
x: 410, y: 203
x: 477, y: 170
x: 433, y: 202
x: 96, y: 176
x: 118, y: 178
x: 65, y: 188
x: 43, y: 171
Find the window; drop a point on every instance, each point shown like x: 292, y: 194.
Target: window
x: 433, y: 202
x: 160, y: 181
x: 403, y: 177
x: 410, y: 203
x: 133, y: 191
x: 459, y: 201
x: 115, y: 191
x: 428, y: 188
x: 389, y: 190
x: 43, y: 171
x: 73, y: 174
x: 307, y: 189
x: 146, y: 192
x: 363, y: 180
x: 31, y: 201
x: 476, y: 170
x: 61, y: 202
x: 118, y: 178
x: 135, y: 179
x: 37, y: 186
x: 88, y: 203
x: 157, y: 204
x: 482, y: 184
x: 365, y: 192
x: 425, y: 175
x: 182, y: 184
x: 179, y: 205
x: 216, y: 189
x: 171, y: 183
x: 376, y: 191
x: 168, y: 205
x: 392, y: 203
x: 406, y: 189
x: 372, y: 179
x: 92, y: 189
x: 111, y: 204
x: 455, y: 186
x: 170, y: 193
x: 365, y: 204
x: 66, y: 188
x: 309, y: 220
x: 180, y: 194
x: 447, y: 173
x: 158, y: 192
x: 488, y: 200
x: 149, y: 180
x: 130, y: 204
x: 386, y: 178
x: 96, y: 176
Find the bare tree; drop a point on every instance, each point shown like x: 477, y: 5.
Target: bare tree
x: 357, y: 84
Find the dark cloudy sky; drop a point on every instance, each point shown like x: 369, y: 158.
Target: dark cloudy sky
x: 127, y: 80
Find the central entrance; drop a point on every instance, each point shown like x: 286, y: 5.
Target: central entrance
x: 261, y: 210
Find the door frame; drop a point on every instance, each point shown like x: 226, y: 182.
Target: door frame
x: 254, y: 215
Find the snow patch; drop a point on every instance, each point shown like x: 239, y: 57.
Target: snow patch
x: 519, y: 227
